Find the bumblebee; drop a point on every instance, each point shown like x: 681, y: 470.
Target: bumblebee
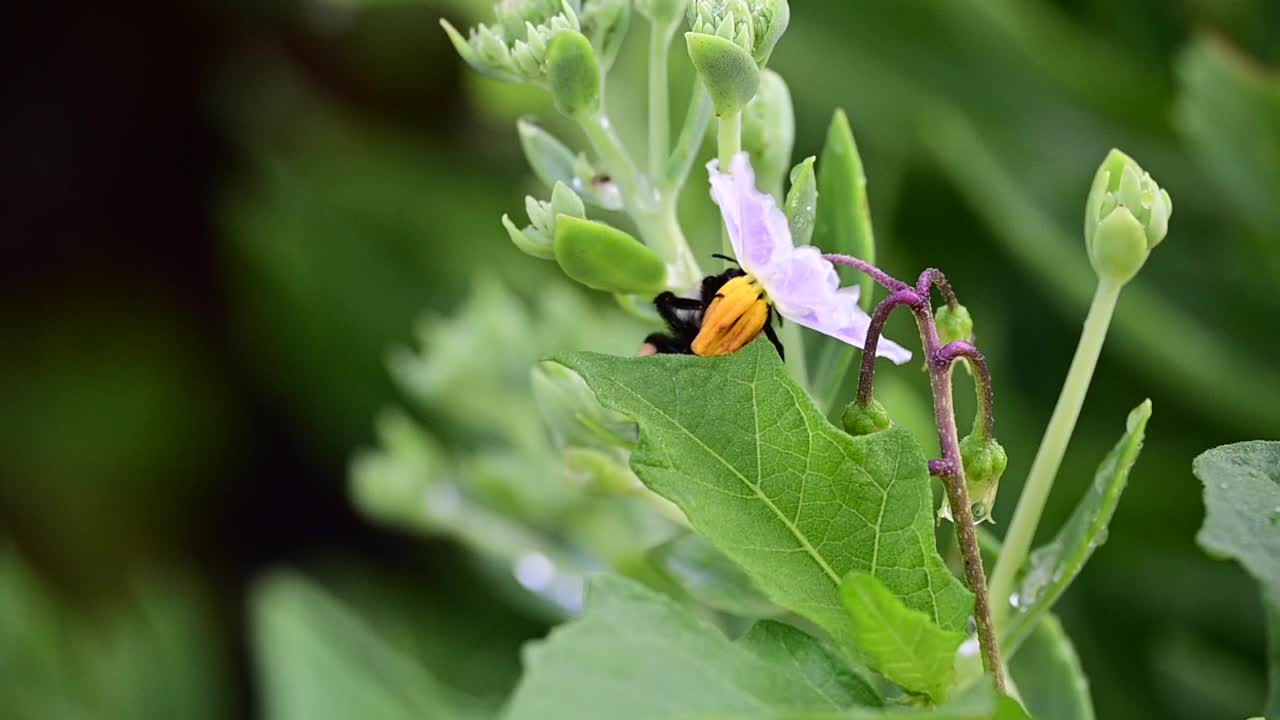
x: 731, y: 310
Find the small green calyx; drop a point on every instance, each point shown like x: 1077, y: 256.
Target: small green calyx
x: 984, y: 463
x: 954, y: 324
x: 573, y: 75
x: 1126, y: 217
x: 728, y: 71
x: 859, y: 419
x: 606, y: 258
x: 537, y: 239
x: 769, y: 130
x: 753, y: 25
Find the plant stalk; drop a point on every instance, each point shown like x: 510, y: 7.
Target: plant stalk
x: 659, y: 98
x: 957, y: 492
x: 1026, y: 518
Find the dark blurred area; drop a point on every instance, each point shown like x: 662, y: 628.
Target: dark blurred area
x: 217, y: 218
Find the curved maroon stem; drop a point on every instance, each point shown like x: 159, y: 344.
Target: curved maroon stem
x: 890, y: 283
x: 985, y: 424
x: 950, y: 468
x: 958, y: 492
x: 934, y: 277
x: 867, y: 373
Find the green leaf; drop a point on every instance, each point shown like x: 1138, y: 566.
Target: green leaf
x: 317, y: 660
x: 1048, y: 674
x: 711, y: 578
x: 981, y: 702
x: 636, y: 655
x: 1229, y: 112
x: 740, y: 448
x: 843, y: 226
x: 807, y: 661
x: 1051, y: 568
x: 1242, y: 502
x: 1242, y: 522
x: 902, y: 644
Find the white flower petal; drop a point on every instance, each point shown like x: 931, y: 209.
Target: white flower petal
x: 802, y: 285
x: 758, y: 229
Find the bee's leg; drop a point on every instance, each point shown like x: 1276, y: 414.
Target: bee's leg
x: 773, y: 337
x: 669, y: 304
x: 659, y: 344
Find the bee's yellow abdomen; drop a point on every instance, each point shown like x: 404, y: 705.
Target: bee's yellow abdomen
x: 734, y: 318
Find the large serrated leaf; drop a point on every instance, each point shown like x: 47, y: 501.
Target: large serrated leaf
x: 637, y: 655
x: 1049, y: 677
x: 740, y: 448
x: 1051, y: 568
x: 903, y: 644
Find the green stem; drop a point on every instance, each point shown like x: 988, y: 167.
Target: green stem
x: 696, y: 121
x: 655, y: 217
x: 1026, y: 518
x: 729, y: 144
x: 659, y: 98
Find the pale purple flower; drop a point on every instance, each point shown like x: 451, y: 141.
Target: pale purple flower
x: 801, y: 285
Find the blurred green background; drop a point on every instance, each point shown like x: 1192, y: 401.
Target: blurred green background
x: 220, y: 216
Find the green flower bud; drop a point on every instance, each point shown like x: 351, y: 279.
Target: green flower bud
x: 861, y: 419
x: 514, y: 48
x: 753, y: 25
x: 802, y: 202
x: 728, y: 71
x: 662, y: 13
x: 390, y: 485
x: 953, y: 323
x: 984, y: 464
x: 769, y: 130
x: 573, y: 74
x: 537, y: 238
x: 1126, y: 217
x: 605, y: 258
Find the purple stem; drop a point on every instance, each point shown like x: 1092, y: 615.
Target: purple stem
x: 958, y: 492
x: 890, y: 283
x: 984, y: 426
x: 934, y: 277
x: 950, y: 468
x: 867, y: 373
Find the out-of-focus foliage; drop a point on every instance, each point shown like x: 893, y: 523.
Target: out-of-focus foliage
x: 370, y: 170
x: 151, y: 658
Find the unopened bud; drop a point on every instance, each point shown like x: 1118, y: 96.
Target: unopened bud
x: 606, y: 258
x: 1126, y: 216
x: 984, y: 463
x: 729, y: 72
x: 954, y: 324
x: 754, y: 25
x: 859, y: 419
x: 573, y: 74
